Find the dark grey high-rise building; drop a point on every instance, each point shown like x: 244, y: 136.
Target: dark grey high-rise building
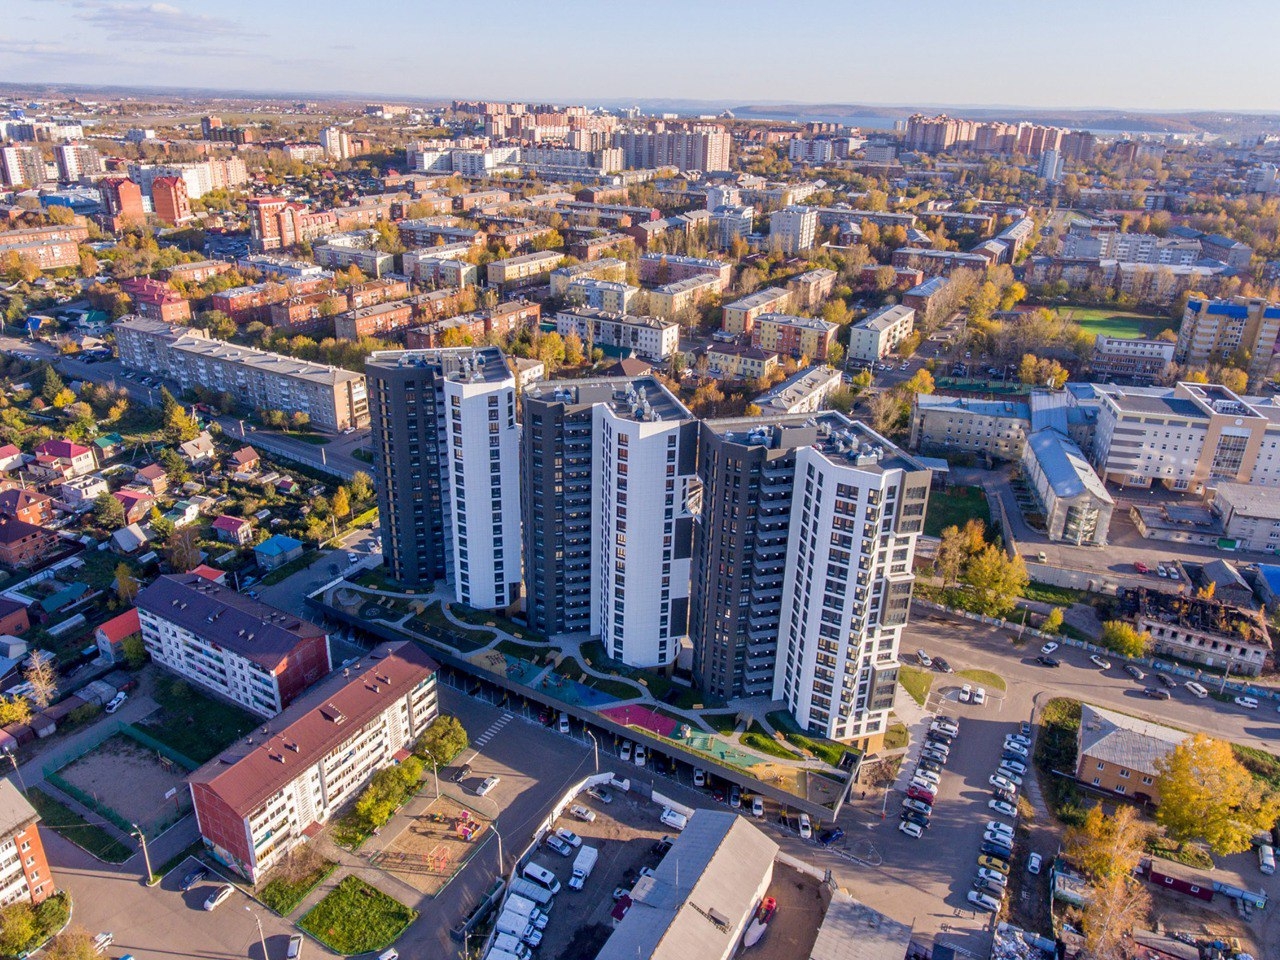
x: 747, y: 467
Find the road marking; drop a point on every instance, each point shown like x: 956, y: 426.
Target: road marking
x: 494, y: 729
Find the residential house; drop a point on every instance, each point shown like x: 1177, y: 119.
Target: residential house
x: 129, y: 539
x: 79, y: 493
x: 1118, y: 752
x: 183, y: 512
x: 11, y: 458
x: 244, y: 460
x: 276, y: 551
x: 14, y: 620
x: 110, y: 636
x: 137, y: 504
x: 235, y: 530
x: 23, y: 544
x: 108, y: 446
x: 153, y: 478
x: 30, y: 506
x: 64, y: 459
x: 198, y: 450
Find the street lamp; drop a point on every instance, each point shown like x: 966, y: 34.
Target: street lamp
x: 261, y: 936
x: 595, y: 747
x: 493, y: 825
x: 13, y: 758
x: 146, y: 857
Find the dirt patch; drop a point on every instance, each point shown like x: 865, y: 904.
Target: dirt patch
x: 1218, y: 920
x: 434, y: 846
x: 794, y: 927
x: 132, y: 780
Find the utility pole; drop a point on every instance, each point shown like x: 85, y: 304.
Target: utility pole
x: 261, y: 937
x: 146, y: 857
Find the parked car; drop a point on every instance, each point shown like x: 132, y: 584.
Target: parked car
x: 1155, y: 693
x: 461, y: 773
x: 1004, y: 783
x: 563, y: 724
x: 559, y: 846
x: 983, y: 885
x: 1033, y: 863
x: 984, y: 901
x: 911, y: 829
x: 639, y: 756
x: 924, y: 658
x: 569, y: 837
x: 735, y: 796
x: 757, y: 807
x: 624, y: 752
x: 219, y: 896
x: 937, y: 736
x: 994, y: 863
x: 994, y: 836
x: 1099, y: 662
x: 1024, y: 728
x: 910, y: 803
x: 116, y: 702
x: 946, y: 723
x: 997, y: 848
x: 1048, y: 661
x: 1003, y: 807
x: 1000, y: 827
x: 1048, y: 648
x: 1015, y: 747
x: 994, y: 876
x: 1141, y: 567
x: 488, y: 784
x: 192, y: 878
x: 582, y: 813
x: 940, y: 664
x: 966, y: 693
x: 920, y: 792
x: 1015, y: 767
x: 915, y: 816
x: 1019, y: 738
x: 1249, y: 703
x: 294, y: 949
x: 1134, y: 672
x: 828, y: 837
x: 1167, y: 680
x: 927, y: 776
x: 933, y: 755
x: 806, y: 827
x: 699, y: 777
x: 979, y: 696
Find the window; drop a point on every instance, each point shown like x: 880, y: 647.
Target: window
x: 1101, y: 765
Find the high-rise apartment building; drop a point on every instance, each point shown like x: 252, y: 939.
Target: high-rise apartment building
x: 793, y: 230
x: 122, y: 199
x: 446, y: 455
x: 699, y: 147
x: 1214, y: 331
x: 610, y: 497
x: 169, y: 200
x: 336, y: 143
x: 21, y: 166
x: 857, y: 508
x: 76, y: 160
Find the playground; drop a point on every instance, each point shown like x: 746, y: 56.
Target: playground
x: 131, y: 780
x: 434, y: 846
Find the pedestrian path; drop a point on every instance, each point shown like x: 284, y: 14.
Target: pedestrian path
x: 493, y: 730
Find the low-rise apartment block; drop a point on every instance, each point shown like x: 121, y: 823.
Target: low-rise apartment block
x: 500, y: 322
x: 812, y: 287
x: 734, y: 361
x: 441, y: 266
x: 236, y: 647
x: 944, y: 426
x: 649, y: 338
x: 49, y: 248
x: 876, y: 336
x: 740, y: 316
x: 379, y: 320
x: 526, y: 270
x: 601, y: 294
x: 1250, y: 516
x: 333, y: 398
x: 657, y: 269
x: 793, y: 230
x: 805, y: 391
x: 1137, y: 360
x: 24, y: 870
x: 671, y: 299
x: 266, y: 794
x: 604, y: 269
x: 1119, y: 753
x: 794, y: 337
x: 356, y: 249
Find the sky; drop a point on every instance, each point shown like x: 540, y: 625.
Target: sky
x: 1160, y: 55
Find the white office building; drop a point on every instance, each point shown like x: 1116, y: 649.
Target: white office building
x: 858, y: 507
x: 649, y: 338
x: 793, y: 230
x: 873, y: 338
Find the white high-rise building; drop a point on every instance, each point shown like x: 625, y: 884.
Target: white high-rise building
x: 793, y: 230
x: 1051, y: 163
x: 337, y: 146
x: 858, y: 506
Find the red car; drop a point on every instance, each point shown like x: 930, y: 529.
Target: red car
x: 1141, y: 567
x: 919, y: 793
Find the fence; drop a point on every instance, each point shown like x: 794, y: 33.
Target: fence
x: 88, y: 801
x: 161, y: 748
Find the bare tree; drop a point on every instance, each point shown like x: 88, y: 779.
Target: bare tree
x: 42, y: 676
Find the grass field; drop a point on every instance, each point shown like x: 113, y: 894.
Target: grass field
x: 355, y: 918
x: 916, y: 682
x: 197, y: 726
x: 984, y: 678
x: 283, y: 893
x: 828, y: 751
x: 1117, y: 323
x: 59, y: 817
x: 952, y: 507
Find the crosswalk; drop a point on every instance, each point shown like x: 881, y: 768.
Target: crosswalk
x: 494, y: 729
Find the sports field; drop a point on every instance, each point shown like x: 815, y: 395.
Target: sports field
x: 1117, y: 323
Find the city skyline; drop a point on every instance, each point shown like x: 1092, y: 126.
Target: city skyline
x: 720, y: 52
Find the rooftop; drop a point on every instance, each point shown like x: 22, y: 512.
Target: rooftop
x: 474, y: 364
x: 1249, y: 500
x: 1125, y: 741
x: 1065, y: 466
x: 804, y: 323
x: 632, y: 320
x: 268, y: 363
x: 857, y: 445
x: 15, y: 812
x: 642, y: 398
x: 886, y: 317
x: 798, y: 386
x: 776, y: 432
x: 761, y: 298
x: 326, y: 716
x: 853, y: 931
x: 247, y: 627
x: 689, y: 283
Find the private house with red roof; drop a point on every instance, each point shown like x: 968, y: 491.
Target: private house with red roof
x: 10, y: 458
x: 235, y: 530
x: 266, y: 793
x: 239, y: 648
x: 244, y: 460
x: 110, y: 636
x: 156, y: 300
x: 30, y: 506
x: 63, y: 460
x: 137, y: 504
x: 153, y: 477
x: 22, y: 543
x: 210, y: 573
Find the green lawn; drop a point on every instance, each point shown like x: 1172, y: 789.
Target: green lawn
x: 828, y: 751
x: 916, y: 682
x: 57, y: 816
x: 761, y: 742
x: 293, y: 566
x: 356, y: 918
x: 1060, y: 596
x: 484, y: 618
x: 896, y: 736
x: 721, y: 722
x: 952, y: 507
x: 197, y: 726
x: 1264, y: 766
x: 1117, y: 323
x: 284, y: 893
x: 984, y: 677
x: 1059, y: 722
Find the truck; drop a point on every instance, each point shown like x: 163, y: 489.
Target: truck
x: 583, y: 864
x: 506, y: 943
x: 527, y: 908
x: 532, y: 891
x: 519, y: 927
x: 496, y: 954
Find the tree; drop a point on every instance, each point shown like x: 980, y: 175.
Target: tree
x: 444, y: 739
x: 42, y: 676
x: 74, y: 944
x: 18, y: 928
x: 1105, y: 847
x: 341, y: 502
x: 551, y: 350
x: 51, y: 386
x: 126, y: 583
x: 361, y: 486
x: 108, y: 511
x: 134, y: 651
x: 957, y: 547
x: 14, y: 710
x: 65, y: 398
x: 920, y: 382
x: 161, y: 526
x: 1206, y: 794
x: 1053, y: 622
x: 174, y: 465
x: 996, y: 580
x: 573, y: 355
x: 182, y: 549
x: 178, y: 426
x: 1124, y: 638
x: 835, y: 353
x: 1116, y: 906
x: 886, y: 410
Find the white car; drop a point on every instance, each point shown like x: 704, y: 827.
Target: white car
x: 699, y: 777
x: 1249, y: 703
x: 966, y: 693
x: 1013, y: 766
x: 1099, y: 662
x: 927, y: 776
x: 1003, y: 808
x: 219, y: 896
x: 563, y: 725
x: 117, y: 702
x: 995, y: 836
x: 980, y: 696
x: 1002, y: 782
x: 352, y: 558
x: 996, y: 826
x: 569, y: 837
x: 1019, y: 749
x: 993, y: 876
x: 488, y: 784
x: 1048, y: 648
x: 924, y: 658
x: 1017, y: 738
x: 1033, y: 863
x: 984, y: 901
x: 640, y: 756
x: 1014, y: 778
x: 625, y: 751
x: 911, y: 829
x: 757, y: 807
x: 806, y: 827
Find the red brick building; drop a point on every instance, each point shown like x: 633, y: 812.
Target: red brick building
x: 21, y: 543
x: 14, y: 620
x: 26, y: 863
x: 275, y: 223
x: 121, y: 201
x: 29, y: 506
x: 156, y: 300
x: 303, y: 313
x: 378, y: 320
x: 169, y: 200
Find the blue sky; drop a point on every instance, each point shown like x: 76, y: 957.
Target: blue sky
x: 1138, y: 54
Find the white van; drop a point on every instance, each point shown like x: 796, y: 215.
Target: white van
x: 674, y: 819
x: 1196, y: 690
x: 1267, y: 859
x: 542, y: 877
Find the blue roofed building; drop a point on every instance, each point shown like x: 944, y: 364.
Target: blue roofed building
x: 1214, y: 331
x: 276, y: 551
x: 1075, y: 503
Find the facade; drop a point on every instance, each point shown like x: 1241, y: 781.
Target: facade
x: 503, y: 320
x: 156, y: 300
x: 1117, y: 752
x: 733, y: 361
x: 730, y: 223
x: 241, y: 649
x: 23, y: 544
x: 1214, y: 331
x: 793, y: 230
x: 266, y: 794
x: 805, y: 391
x: 874, y: 337
x: 445, y: 451
x: 1186, y: 437
x: 650, y: 338
x: 857, y: 509
x: 603, y: 295
x: 355, y: 249
x: 657, y: 269
x: 275, y: 551
x: 24, y: 871
x: 699, y: 147
x: 1076, y: 506
x: 169, y: 200
x: 671, y: 299
x: 276, y: 223
x: 740, y: 316
x: 606, y: 268
x: 49, y: 248
x: 1209, y: 632
x: 794, y: 337
x: 1138, y: 360
x: 609, y: 499
x: 948, y: 425
x: 377, y: 320
x: 812, y: 287
x: 531, y: 268
x: 334, y: 399
x: 1250, y: 516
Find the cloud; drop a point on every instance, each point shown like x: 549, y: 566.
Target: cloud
x: 37, y: 51
x: 152, y: 21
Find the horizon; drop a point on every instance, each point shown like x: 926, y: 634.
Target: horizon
x: 729, y: 55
